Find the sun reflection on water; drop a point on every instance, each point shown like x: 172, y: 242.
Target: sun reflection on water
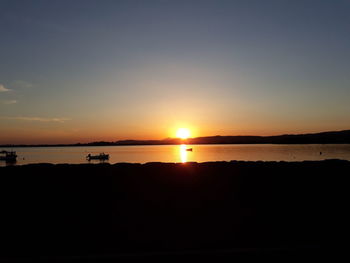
x: 183, y: 153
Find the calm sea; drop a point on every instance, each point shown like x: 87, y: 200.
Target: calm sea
x: 178, y: 153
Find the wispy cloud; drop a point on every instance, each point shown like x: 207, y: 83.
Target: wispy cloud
x: 39, y: 119
x: 3, y: 89
x: 21, y: 84
x: 10, y: 102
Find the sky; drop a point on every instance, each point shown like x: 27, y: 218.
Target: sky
x: 82, y: 71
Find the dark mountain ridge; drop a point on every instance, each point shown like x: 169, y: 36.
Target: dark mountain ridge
x: 331, y: 137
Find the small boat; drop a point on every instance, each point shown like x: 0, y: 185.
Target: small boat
x: 189, y: 149
x: 8, y: 156
x: 101, y: 156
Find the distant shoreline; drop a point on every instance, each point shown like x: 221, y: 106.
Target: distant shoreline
x: 207, y: 163
x: 90, y: 145
x: 333, y: 137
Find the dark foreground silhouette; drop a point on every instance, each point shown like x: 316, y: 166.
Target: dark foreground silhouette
x: 105, y: 212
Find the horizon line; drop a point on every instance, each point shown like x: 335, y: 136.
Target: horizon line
x: 168, y: 138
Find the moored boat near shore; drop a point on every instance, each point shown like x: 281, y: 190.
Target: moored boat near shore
x: 101, y: 156
x: 8, y: 156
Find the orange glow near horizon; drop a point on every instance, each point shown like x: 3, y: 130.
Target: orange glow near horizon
x: 183, y: 133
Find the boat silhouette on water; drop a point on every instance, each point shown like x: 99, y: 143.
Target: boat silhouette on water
x: 189, y: 149
x: 101, y: 157
x: 8, y: 156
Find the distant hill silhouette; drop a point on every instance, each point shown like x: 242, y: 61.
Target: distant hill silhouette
x: 324, y: 137
x: 336, y: 137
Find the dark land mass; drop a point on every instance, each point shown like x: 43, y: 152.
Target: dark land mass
x: 104, y: 213
x: 334, y: 137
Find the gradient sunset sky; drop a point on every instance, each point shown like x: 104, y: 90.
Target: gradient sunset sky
x: 80, y: 71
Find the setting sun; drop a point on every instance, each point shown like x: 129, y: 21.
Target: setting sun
x: 183, y: 133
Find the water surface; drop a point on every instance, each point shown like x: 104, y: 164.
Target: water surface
x: 178, y: 153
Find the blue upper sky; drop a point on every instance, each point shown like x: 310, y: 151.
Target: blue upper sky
x: 91, y: 70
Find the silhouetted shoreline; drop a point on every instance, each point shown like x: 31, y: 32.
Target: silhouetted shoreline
x: 167, y: 210
x: 333, y: 137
